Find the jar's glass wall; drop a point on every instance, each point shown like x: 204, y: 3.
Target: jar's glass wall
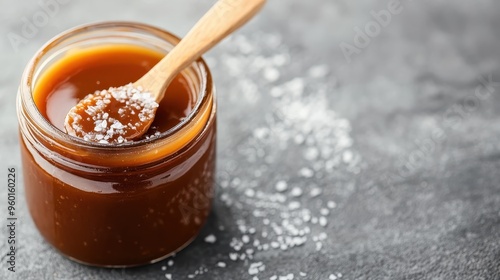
x: 140, y: 202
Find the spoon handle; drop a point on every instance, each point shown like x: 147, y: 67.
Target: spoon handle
x: 221, y: 20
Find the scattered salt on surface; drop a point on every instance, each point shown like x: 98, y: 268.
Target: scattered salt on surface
x: 269, y: 212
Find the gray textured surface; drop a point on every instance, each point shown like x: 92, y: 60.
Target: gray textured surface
x: 419, y: 200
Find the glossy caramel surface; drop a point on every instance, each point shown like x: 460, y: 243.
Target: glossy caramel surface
x: 85, y: 71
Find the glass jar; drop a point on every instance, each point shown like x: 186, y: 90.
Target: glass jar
x: 123, y: 205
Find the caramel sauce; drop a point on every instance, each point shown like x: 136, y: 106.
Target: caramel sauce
x: 126, y: 214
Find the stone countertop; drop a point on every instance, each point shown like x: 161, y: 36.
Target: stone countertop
x: 356, y: 141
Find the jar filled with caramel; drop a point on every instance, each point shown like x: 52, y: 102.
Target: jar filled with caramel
x: 116, y: 204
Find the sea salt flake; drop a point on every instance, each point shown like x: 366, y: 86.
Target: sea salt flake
x: 279, y: 59
x: 306, y: 172
x: 318, y: 71
x: 276, y: 91
x: 296, y: 192
x: 245, y: 238
x: 255, y: 268
x: 233, y: 256
x: 331, y: 204
x: 322, y: 236
x: 299, y: 139
x: 210, y: 238
x: 295, y: 86
x: 315, y: 192
x: 319, y: 245
x: 324, y: 211
x: 271, y: 74
x: 323, y: 221
x: 347, y: 156
x: 311, y: 153
x: 250, y: 192
x: 281, y: 186
x: 294, y: 205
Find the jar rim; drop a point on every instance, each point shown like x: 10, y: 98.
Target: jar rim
x: 28, y: 82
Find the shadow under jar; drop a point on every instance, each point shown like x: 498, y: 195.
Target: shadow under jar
x: 116, y: 205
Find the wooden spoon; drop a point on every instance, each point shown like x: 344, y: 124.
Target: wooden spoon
x: 125, y: 113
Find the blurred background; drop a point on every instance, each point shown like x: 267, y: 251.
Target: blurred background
x: 356, y: 140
